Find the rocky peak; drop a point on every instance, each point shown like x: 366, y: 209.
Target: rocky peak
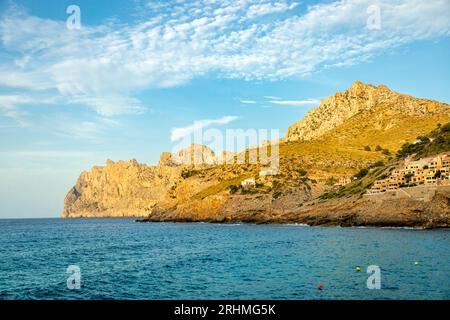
x: 359, y: 98
x: 195, y: 154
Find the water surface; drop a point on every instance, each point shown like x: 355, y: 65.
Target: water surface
x: 121, y: 259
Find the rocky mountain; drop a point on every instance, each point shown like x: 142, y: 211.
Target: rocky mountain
x: 350, y: 130
x: 373, y: 109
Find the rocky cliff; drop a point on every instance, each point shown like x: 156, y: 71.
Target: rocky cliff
x: 387, y: 108
x: 119, y: 189
x: 328, y: 144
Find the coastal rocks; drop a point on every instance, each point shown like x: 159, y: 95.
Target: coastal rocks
x: 370, y: 211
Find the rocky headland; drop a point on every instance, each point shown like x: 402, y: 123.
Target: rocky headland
x: 317, y: 181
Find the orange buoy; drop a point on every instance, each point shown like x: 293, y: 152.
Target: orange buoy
x: 320, y: 286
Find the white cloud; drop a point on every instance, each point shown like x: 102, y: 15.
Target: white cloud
x: 272, y: 98
x: 308, y: 102
x: 262, y: 9
x: 179, y: 133
x: 110, y: 105
x: 248, y: 101
x: 105, y: 67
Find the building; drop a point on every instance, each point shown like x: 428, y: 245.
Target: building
x: 343, y: 181
x: 268, y: 172
x: 379, y: 186
x: 428, y: 171
x: 248, y: 183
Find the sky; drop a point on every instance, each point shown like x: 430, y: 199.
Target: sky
x: 127, y: 79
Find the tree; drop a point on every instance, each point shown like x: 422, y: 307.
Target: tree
x: 233, y: 189
x: 423, y: 140
x: 438, y: 174
x: 378, y: 148
x: 379, y: 163
x: 362, y: 173
x: 408, y: 176
x: 367, y: 148
x: 445, y: 127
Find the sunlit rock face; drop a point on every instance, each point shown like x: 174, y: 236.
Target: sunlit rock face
x: 358, y: 99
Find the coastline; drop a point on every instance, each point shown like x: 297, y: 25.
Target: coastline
x: 354, y: 211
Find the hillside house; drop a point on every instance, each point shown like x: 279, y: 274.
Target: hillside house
x: 343, y: 181
x: 248, y: 183
x: 268, y: 172
x: 428, y: 171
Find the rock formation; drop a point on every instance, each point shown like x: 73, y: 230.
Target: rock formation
x: 327, y: 145
x: 359, y: 99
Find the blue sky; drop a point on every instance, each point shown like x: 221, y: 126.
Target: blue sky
x: 137, y: 70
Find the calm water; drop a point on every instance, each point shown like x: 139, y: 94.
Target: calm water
x: 121, y: 259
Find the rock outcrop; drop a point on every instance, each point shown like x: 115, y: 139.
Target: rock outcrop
x: 120, y: 189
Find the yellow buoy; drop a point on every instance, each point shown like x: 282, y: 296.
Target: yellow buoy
x: 358, y: 269
x: 416, y: 263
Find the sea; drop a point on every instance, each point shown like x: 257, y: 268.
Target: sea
x: 86, y: 259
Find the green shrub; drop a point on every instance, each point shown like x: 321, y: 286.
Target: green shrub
x: 379, y: 163
x: 408, y: 176
x: 330, y: 181
x: 445, y: 127
x: 233, y: 189
x: 189, y: 173
x: 362, y: 173
x: 276, y: 195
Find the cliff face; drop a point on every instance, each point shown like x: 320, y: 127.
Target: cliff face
x: 387, y: 107
x: 119, y: 189
x: 194, y: 185
x: 131, y: 189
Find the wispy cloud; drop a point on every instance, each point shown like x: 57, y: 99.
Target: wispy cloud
x: 308, y: 102
x: 262, y: 9
x: 9, y: 103
x: 105, y: 67
x: 248, y: 101
x: 272, y: 98
x: 179, y: 133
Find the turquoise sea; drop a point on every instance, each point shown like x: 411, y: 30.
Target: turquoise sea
x: 122, y: 259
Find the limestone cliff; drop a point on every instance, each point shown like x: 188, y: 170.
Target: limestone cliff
x: 387, y: 110
x: 328, y: 145
x: 120, y: 189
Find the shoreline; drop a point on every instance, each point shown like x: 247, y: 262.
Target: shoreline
x: 290, y: 223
